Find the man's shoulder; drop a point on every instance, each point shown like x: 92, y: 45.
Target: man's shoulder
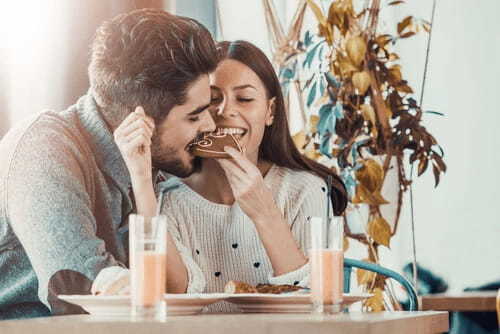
x: 43, y: 136
x: 45, y: 129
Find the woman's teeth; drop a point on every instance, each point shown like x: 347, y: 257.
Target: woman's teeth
x: 229, y: 131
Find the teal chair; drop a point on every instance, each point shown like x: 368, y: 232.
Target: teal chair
x: 351, y: 263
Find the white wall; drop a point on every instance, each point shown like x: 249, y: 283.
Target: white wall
x: 457, y: 224
x: 44, y: 53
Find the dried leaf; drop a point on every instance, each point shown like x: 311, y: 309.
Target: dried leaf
x: 395, y: 74
x: 427, y: 26
x: 345, y: 245
x: 404, y: 24
x: 361, y: 13
x: 404, y: 88
x: 376, y: 302
x: 345, y: 66
x: 397, y: 2
x: 312, y: 154
x: 356, y: 50
x: 383, y: 40
x: 340, y: 13
x: 361, y: 81
x: 369, y: 115
x: 363, y: 195
x: 380, y: 281
x: 422, y: 165
x: 435, y: 169
x: 324, y: 99
x: 364, y: 277
x: 313, y: 120
x: 326, y: 31
x: 439, y: 161
x: 380, y: 231
x: 413, y: 157
x: 370, y: 175
x: 393, y: 57
x: 299, y: 139
x: 408, y: 34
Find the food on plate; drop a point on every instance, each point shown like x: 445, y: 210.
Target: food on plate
x: 112, y: 281
x: 242, y: 287
x: 239, y: 287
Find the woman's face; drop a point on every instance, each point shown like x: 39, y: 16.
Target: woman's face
x: 240, y: 104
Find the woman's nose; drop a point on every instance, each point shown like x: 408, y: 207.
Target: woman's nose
x: 226, y: 111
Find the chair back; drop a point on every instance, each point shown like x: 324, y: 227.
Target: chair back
x: 351, y: 263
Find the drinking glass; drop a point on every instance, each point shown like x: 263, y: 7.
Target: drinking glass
x: 327, y: 265
x: 148, y: 257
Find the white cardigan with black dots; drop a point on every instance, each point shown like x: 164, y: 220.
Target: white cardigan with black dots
x: 219, y: 243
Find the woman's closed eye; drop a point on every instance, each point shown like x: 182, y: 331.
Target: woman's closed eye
x: 245, y: 99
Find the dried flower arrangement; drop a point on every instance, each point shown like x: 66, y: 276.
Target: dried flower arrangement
x: 358, y: 110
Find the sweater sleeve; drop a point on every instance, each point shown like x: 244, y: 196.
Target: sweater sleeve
x: 50, y: 211
x: 196, y: 279
x: 313, y: 203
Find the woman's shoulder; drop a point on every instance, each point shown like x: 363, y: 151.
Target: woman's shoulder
x: 299, y: 180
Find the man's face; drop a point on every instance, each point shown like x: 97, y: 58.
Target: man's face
x: 183, y: 124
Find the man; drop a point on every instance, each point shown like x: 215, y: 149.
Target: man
x: 64, y: 187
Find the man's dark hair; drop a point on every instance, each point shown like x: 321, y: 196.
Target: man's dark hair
x: 147, y: 57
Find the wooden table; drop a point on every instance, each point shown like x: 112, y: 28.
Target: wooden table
x: 477, y: 301
x: 239, y: 323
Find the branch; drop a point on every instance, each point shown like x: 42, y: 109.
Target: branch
x: 400, y: 194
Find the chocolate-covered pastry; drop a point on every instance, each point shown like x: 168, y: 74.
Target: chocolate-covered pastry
x: 277, y: 289
x: 242, y: 287
x: 239, y: 287
x: 212, y: 145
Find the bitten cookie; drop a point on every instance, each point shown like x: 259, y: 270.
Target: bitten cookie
x: 212, y: 146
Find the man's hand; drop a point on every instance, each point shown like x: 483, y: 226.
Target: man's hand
x: 133, y: 138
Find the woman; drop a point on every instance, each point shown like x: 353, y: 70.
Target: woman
x: 245, y: 218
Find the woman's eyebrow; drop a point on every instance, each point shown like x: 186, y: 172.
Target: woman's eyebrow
x: 244, y: 86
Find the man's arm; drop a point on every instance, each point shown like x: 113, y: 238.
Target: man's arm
x: 51, y: 211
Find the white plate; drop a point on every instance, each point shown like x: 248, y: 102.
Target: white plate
x: 177, y: 304
x: 283, y: 303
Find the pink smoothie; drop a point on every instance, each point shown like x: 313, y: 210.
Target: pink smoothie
x: 150, y: 278
x: 327, y: 276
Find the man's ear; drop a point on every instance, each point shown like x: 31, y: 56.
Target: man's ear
x: 271, y: 109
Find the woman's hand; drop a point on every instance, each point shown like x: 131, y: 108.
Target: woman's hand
x: 257, y: 202
x: 133, y: 138
x: 249, y: 190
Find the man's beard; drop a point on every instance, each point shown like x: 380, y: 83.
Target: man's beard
x: 166, y: 159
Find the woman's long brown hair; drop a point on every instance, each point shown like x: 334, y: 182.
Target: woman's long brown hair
x: 278, y: 146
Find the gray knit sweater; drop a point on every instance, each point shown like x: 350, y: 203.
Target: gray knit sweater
x: 64, y: 193
x: 219, y: 243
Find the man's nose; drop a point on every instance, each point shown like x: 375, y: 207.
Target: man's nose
x: 208, y: 124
